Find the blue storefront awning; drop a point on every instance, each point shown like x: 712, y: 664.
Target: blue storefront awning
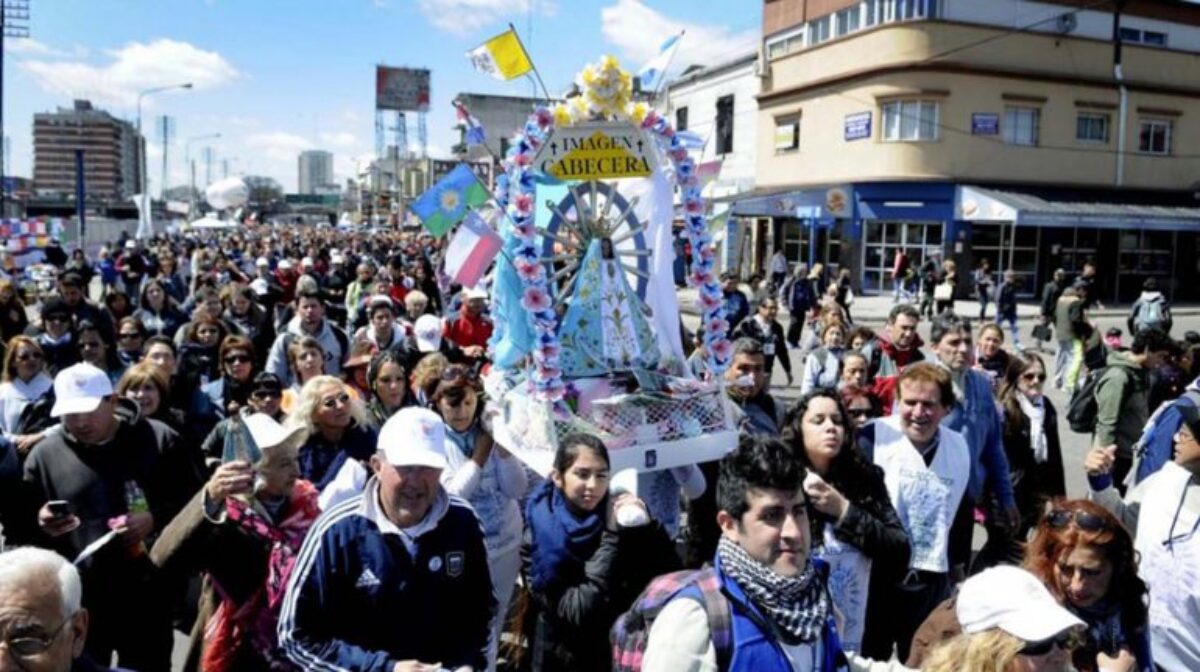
x: 824, y: 204
x: 978, y: 204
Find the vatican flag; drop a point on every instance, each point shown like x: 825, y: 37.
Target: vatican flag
x: 502, y: 57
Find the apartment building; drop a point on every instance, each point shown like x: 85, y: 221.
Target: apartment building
x: 110, y: 153
x: 999, y: 129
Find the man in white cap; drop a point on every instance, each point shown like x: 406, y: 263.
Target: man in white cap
x: 397, y: 577
x: 110, y: 470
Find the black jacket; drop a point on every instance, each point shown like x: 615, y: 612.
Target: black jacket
x: 568, y: 630
x: 1034, y: 483
x: 1050, y: 294
x: 750, y: 328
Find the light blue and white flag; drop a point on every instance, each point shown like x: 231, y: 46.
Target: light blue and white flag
x: 652, y: 73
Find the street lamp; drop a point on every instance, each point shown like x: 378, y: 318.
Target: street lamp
x: 145, y: 210
x: 187, y: 157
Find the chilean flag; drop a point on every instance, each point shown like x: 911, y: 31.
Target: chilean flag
x: 475, y: 135
x: 472, y: 250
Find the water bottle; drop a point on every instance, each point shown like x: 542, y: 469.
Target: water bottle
x: 135, y: 502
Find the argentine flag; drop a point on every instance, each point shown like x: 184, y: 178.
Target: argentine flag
x: 652, y: 73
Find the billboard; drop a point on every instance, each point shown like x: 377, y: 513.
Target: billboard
x: 401, y: 89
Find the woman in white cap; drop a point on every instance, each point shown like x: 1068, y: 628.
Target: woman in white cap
x: 243, y: 530
x: 1010, y: 623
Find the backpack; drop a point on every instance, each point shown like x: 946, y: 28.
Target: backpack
x: 1083, y: 407
x: 1151, y: 314
x: 631, y: 632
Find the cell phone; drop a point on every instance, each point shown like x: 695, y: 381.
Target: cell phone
x: 59, y: 508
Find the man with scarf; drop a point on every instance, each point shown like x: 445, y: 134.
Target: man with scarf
x: 780, y: 615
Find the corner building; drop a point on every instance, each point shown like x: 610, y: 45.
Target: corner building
x: 982, y: 128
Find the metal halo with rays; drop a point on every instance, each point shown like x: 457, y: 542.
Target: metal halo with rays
x: 593, y: 210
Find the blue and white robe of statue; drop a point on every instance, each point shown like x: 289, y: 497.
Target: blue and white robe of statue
x: 606, y: 327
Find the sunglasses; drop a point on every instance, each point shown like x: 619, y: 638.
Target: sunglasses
x: 1065, y: 641
x: 29, y: 357
x: 129, y: 335
x: 341, y: 399
x: 237, y: 359
x: 1039, y: 377
x: 267, y: 394
x: 453, y: 373
x: 859, y: 412
x: 1088, y: 522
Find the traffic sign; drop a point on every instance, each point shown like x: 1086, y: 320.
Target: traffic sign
x: 596, y: 151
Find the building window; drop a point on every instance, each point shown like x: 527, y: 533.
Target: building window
x: 681, y: 119
x: 846, y: 20
x: 786, y: 44
x: 1091, y: 127
x: 1151, y: 38
x: 910, y: 120
x: 724, y: 124
x: 1021, y: 125
x: 787, y: 133
x: 818, y: 29
x: 1154, y: 136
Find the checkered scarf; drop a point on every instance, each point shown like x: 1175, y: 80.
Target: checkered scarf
x: 798, y: 606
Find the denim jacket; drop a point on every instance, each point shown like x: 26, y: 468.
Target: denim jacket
x: 493, y: 490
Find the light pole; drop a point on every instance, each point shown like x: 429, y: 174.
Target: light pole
x: 187, y: 154
x: 145, y: 210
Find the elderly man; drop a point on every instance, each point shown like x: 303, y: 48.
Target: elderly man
x: 395, y: 578
x: 42, y: 625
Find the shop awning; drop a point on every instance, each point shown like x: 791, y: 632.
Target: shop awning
x: 978, y: 204
x: 814, y: 203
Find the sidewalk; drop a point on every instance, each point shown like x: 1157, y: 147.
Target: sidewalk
x: 874, y: 309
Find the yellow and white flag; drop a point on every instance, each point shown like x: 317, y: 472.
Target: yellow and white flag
x: 502, y: 57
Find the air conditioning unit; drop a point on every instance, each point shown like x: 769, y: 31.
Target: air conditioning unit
x: 761, y: 69
x: 1067, y: 23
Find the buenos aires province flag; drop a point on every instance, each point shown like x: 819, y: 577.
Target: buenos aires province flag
x: 502, y: 57
x: 448, y: 201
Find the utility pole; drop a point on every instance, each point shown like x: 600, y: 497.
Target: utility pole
x: 166, y: 130
x: 14, y: 22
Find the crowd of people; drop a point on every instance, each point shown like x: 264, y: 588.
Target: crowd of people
x: 279, y: 442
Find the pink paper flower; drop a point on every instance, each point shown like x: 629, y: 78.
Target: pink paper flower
x: 535, y: 299
x: 700, y: 277
x: 716, y: 326
x: 531, y: 272
x: 550, y: 352
x: 693, y: 206
x: 523, y: 159
x: 721, y: 350
x: 708, y: 303
x: 523, y: 203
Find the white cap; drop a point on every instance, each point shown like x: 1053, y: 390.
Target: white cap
x: 260, y: 286
x: 262, y: 261
x: 131, y: 244
x: 335, y: 258
x: 285, y: 264
x: 1013, y: 600
x: 307, y: 261
x: 79, y: 389
x: 414, y: 437
x: 428, y: 331
x: 475, y: 293
x: 269, y: 434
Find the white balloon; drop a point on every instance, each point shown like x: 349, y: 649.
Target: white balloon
x: 231, y: 192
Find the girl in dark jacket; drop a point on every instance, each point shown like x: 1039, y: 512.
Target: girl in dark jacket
x: 854, y: 525
x: 1035, y: 462
x: 13, y: 319
x: 158, y: 311
x: 581, y: 566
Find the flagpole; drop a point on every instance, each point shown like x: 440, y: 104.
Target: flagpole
x: 532, y: 65
x: 658, y: 88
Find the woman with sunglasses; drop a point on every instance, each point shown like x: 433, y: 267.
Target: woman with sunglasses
x: 1010, y: 623
x: 1034, y: 452
x: 1163, y: 512
x: 485, y: 474
x: 337, y: 429
x: 855, y: 528
x: 157, y: 310
x: 56, y: 336
x: 862, y: 406
x: 24, y: 382
x: 229, y: 392
x: 387, y: 385
x: 131, y: 337
x: 1086, y: 557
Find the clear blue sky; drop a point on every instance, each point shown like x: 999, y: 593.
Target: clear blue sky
x: 275, y: 78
